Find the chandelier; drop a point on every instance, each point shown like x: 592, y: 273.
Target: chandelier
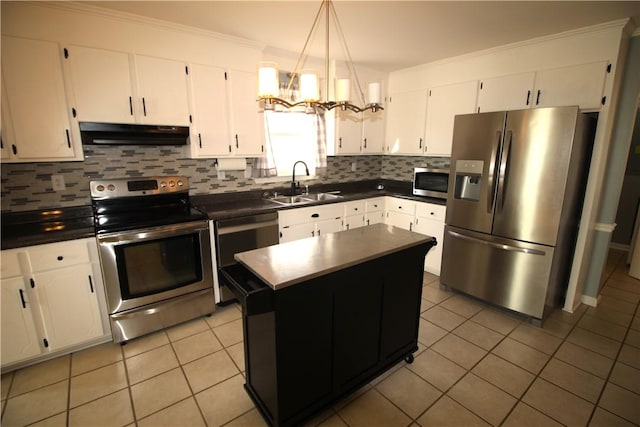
x: 269, y: 85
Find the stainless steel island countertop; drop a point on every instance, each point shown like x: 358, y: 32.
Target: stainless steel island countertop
x: 293, y: 262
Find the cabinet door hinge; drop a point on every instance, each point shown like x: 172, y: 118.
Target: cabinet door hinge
x: 45, y: 342
x: 608, y: 68
x: 66, y: 53
x: 604, y: 100
x: 32, y: 282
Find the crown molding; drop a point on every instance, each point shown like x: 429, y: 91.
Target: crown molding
x: 72, y: 6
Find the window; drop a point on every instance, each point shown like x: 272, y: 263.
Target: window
x: 293, y: 136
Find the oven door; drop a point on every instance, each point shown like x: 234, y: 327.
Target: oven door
x: 145, y: 266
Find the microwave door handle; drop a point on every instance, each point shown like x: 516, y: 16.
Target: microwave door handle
x: 493, y: 172
x: 504, y: 165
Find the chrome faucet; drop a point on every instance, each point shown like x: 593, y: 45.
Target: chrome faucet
x: 294, y: 185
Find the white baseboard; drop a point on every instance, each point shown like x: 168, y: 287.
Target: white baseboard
x: 589, y: 300
x: 619, y: 246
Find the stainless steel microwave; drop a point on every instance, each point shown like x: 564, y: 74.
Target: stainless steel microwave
x: 430, y: 182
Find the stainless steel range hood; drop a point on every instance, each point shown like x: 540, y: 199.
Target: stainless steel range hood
x: 128, y: 134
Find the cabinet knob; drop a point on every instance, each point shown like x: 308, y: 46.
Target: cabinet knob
x: 60, y: 258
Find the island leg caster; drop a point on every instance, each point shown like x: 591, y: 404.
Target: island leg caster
x: 409, y: 358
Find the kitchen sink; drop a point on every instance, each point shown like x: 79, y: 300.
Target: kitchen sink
x: 322, y: 196
x: 304, y: 198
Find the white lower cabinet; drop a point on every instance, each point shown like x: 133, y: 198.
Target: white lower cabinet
x: 310, y: 221
x: 51, y: 296
x: 354, y: 214
x: 430, y: 220
x: 19, y: 337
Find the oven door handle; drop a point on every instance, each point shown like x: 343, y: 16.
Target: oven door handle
x: 154, y: 233
x: 244, y: 227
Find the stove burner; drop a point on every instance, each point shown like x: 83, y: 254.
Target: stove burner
x: 128, y: 204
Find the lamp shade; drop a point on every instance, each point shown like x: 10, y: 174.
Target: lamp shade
x: 268, y: 84
x: 373, y: 93
x: 343, y: 90
x: 309, y: 86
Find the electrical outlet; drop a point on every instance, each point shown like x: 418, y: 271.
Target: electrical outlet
x: 353, y: 166
x: 221, y: 174
x: 57, y: 181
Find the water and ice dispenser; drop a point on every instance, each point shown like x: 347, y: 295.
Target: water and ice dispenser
x: 468, y: 179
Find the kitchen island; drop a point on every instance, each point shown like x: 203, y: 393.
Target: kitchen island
x: 323, y: 316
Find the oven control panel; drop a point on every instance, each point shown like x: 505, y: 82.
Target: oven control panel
x: 143, y: 186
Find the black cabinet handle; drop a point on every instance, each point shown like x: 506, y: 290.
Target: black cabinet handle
x: 420, y: 145
x: 528, y: 97
x: 91, y: 284
x: 14, y: 149
x: 200, y: 139
x: 315, y: 215
x: 68, y: 138
x: 340, y: 142
x: 60, y: 258
x: 538, y: 97
x: 237, y: 146
x: 144, y: 106
x: 24, y: 303
x: 131, y: 106
x: 365, y: 143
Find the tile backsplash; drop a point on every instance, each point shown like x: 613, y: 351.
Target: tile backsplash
x: 27, y: 186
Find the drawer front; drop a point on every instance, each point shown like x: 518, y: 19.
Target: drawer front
x: 401, y: 205
x: 58, y: 255
x: 9, y: 264
x: 374, y: 205
x: 431, y: 211
x: 310, y: 214
x: 355, y: 207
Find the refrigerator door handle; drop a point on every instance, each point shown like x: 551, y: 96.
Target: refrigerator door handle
x: 504, y: 168
x: 496, y: 245
x: 493, y: 171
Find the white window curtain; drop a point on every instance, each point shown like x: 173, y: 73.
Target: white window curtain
x: 291, y: 136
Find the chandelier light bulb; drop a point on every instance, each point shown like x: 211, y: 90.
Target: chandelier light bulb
x: 309, y: 90
x: 268, y: 84
x: 343, y: 90
x: 373, y: 95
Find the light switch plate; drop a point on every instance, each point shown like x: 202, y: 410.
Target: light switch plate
x: 353, y: 166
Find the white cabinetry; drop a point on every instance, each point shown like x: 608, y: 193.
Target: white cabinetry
x: 444, y: 103
x: 310, y: 221
x: 247, y: 121
x: 354, y: 214
x: 405, y: 122
x: 374, y: 211
x: 59, y: 309
x: 580, y: 85
x: 512, y: 92
x: 34, y: 95
x: 66, y: 288
x: 210, y: 136
x: 430, y: 221
x: 359, y: 133
x: 421, y: 217
x: 118, y: 87
x: 19, y: 336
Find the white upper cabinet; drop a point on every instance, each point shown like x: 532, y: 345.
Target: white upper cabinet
x: 117, y: 87
x: 581, y: 85
x: 247, y: 121
x: 210, y: 134
x: 405, y: 122
x: 35, y: 99
x: 512, y: 92
x: 102, y: 85
x: 444, y: 102
x: 162, y: 91
x: 373, y: 127
x: 348, y: 132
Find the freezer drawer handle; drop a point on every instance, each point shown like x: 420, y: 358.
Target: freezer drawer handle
x: 497, y: 245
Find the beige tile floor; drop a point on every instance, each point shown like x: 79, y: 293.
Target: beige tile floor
x: 476, y: 366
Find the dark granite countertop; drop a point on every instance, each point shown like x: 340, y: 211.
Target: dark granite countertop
x: 46, y: 226
x: 229, y: 205
x: 52, y: 225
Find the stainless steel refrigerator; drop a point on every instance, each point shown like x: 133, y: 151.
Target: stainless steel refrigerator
x: 515, y: 194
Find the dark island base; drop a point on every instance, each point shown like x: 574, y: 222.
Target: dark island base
x: 310, y: 344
